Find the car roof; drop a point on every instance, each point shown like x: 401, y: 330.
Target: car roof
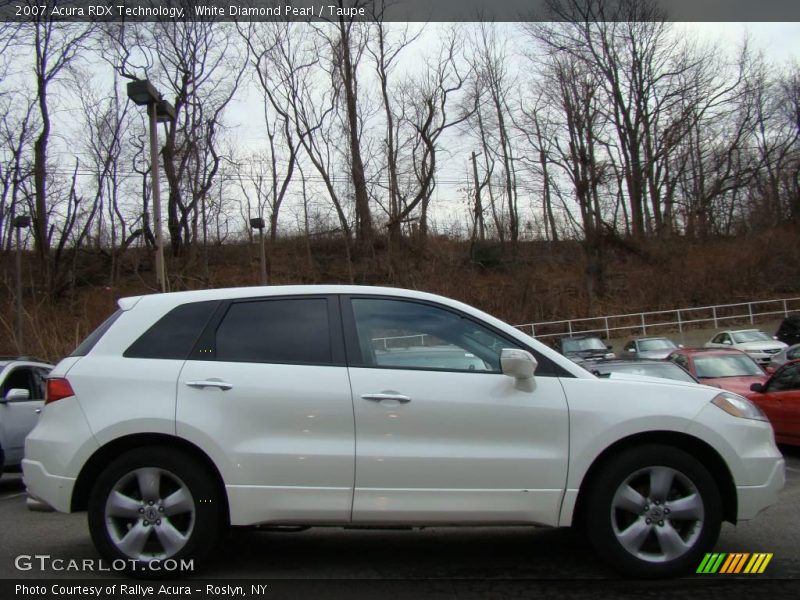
x: 177, y: 298
x: 4, y: 362
x: 643, y: 339
x: 739, y: 330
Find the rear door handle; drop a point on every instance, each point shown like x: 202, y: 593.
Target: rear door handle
x: 212, y: 382
x: 383, y: 396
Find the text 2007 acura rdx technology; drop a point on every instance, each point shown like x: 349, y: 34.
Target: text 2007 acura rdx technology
x: 187, y: 413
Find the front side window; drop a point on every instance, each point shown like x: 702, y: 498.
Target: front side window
x: 411, y: 335
x: 22, y: 378
x: 288, y: 331
x: 788, y: 378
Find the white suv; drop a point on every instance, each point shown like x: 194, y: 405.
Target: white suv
x: 189, y: 412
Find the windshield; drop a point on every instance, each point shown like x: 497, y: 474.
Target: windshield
x: 656, y: 344
x: 730, y: 365
x: 665, y: 371
x: 750, y: 336
x: 576, y: 345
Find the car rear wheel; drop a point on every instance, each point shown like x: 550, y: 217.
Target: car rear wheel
x: 653, y: 511
x: 154, y: 504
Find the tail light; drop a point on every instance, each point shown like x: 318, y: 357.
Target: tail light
x: 57, y: 388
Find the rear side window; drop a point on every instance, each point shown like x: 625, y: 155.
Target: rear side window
x: 292, y: 331
x: 173, y: 336
x: 94, y: 337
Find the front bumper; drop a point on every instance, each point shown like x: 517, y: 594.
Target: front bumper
x: 755, y: 498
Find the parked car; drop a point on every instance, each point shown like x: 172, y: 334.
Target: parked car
x: 779, y: 398
x: 638, y: 366
x: 186, y: 413
x: 21, y: 396
x: 582, y: 348
x: 784, y: 356
x: 731, y: 370
x: 755, y: 342
x: 789, y: 330
x: 654, y: 347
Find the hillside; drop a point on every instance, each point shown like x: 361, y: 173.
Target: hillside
x: 546, y: 281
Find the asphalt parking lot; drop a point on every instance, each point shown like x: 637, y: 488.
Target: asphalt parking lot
x: 432, y: 554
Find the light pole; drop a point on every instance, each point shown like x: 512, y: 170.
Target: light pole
x: 20, y: 222
x: 258, y: 223
x: 159, y: 110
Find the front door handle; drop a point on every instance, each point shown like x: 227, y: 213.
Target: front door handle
x: 385, y: 396
x: 212, y: 382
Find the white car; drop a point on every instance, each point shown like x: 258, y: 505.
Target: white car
x: 186, y: 413
x: 21, y: 399
x: 760, y: 346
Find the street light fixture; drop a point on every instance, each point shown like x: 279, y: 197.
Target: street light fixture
x: 143, y: 93
x: 258, y: 223
x: 19, y: 223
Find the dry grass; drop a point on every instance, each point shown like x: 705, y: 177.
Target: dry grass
x: 545, y: 282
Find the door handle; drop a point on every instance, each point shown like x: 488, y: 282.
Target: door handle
x: 213, y: 382
x: 383, y: 396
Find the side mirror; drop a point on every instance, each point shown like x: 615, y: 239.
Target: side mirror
x: 516, y: 363
x: 631, y: 350
x: 757, y: 387
x: 727, y: 342
x: 680, y: 346
x: 17, y: 394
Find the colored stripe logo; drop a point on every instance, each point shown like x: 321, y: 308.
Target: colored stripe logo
x: 735, y: 563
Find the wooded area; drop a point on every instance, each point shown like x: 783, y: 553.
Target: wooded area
x: 609, y: 130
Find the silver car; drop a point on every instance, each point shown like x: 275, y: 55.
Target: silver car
x: 784, y: 356
x: 760, y: 346
x: 653, y: 347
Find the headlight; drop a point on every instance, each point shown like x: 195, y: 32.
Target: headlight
x: 738, y: 406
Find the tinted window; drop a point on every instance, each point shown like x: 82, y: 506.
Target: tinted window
x: 174, y: 334
x: 393, y: 333
x: 94, y: 337
x: 22, y: 378
x: 788, y: 378
x: 276, y: 331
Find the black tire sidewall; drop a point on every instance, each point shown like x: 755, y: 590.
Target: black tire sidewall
x: 597, y: 514
x: 208, y: 514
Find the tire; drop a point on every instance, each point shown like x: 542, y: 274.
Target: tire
x: 154, y: 504
x: 653, y: 511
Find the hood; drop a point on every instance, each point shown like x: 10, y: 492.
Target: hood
x: 649, y: 379
x: 765, y: 345
x: 737, y: 385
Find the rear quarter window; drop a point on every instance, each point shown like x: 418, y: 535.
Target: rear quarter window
x: 173, y: 336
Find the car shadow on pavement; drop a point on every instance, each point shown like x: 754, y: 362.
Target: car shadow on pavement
x: 430, y: 553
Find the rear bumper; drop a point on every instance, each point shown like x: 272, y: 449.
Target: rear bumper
x: 755, y: 498
x: 45, y: 488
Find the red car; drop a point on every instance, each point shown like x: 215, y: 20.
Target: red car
x: 729, y: 369
x: 779, y: 398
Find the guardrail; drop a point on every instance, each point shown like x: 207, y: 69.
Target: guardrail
x: 648, y: 322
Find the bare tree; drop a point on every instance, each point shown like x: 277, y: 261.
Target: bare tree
x: 56, y: 45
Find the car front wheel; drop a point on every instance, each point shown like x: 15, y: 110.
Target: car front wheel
x: 653, y: 511
x: 154, y: 504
